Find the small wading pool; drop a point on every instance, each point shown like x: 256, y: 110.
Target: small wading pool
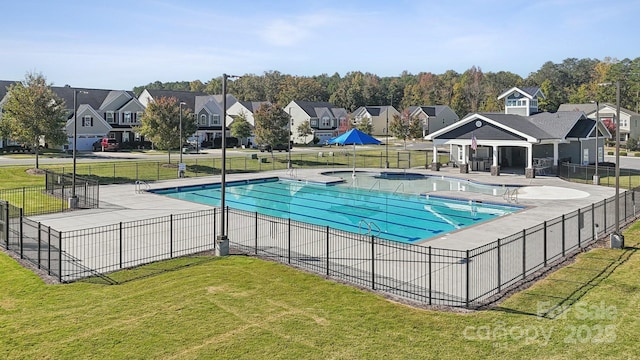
x: 393, y: 216
x: 413, y: 183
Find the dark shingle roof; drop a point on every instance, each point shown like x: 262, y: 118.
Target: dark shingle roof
x: 188, y: 97
x: 519, y: 123
x: 310, y: 106
x: 531, y: 90
x: 582, y: 128
x: 4, y: 85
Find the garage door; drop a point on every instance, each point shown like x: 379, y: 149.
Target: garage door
x: 85, y: 142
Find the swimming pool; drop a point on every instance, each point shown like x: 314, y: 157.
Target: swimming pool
x: 393, y: 216
x: 415, y: 183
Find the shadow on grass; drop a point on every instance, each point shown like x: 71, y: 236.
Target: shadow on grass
x: 149, y: 270
x: 575, y: 286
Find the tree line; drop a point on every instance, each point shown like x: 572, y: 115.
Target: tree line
x: 571, y: 81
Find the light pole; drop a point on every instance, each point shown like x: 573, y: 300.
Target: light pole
x: 180, y: 166
x: 596, y: 178
x: 222, y: 242
x: 386, y: 142
x: 617, y: 240
x: 73, y: 201
x: 289, y: 142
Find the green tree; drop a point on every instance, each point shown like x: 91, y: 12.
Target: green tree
x: 161, y: 122
x: 33, y: 112
x: 272, y: 125
x: 405, y: 127
x: 365, y: 126
x: 304, y: 130
x: 240, y: 127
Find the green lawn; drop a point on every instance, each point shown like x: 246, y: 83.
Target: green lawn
x: 242, y: 307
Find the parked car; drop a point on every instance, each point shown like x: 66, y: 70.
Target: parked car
x: 106, y: 144
x: 278, y: 147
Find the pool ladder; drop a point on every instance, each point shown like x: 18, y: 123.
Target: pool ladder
x: 142, y: 186
x: 511, y: 195
x: 369, y: 226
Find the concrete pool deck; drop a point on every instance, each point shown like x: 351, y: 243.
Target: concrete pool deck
x: 544, y: 198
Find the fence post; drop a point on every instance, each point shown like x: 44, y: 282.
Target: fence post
x: 215, y: 221
x: 467, y: 282
x: 6, y: 224
x: 563, y: 235
x: 524, y: 253
x: 21, y: 233
x: 289, y: 240
x: 373, y: 263
x: 499, y: 266
x: 114, y: 173
x: 255, y: 237
x: 625, y: 200
x: 158, y: 171
x: 60, y: 256
x: 544, y: 241
x: 120, y: 242
x: 604, y: 207
x: 39, y: 242
x: 49, y: 250
x: 593, y: 222
x: 579, y: 235
x: 23, y: 196
x: 62, y: 195
x: 430, y: 275
x: 327, y: 251
x: 171, y: 235
x: 137, y: 177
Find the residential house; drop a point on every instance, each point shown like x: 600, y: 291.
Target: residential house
x: 521, y: 101
x: 246, y: 109
x: 629, y: 120
x: 101, y: 113
x: 325, y: 120
x: 534, y: 144
x: 209, y: 113
x: 4, y: 88
x: 434, y: 117
x: 378, y: 116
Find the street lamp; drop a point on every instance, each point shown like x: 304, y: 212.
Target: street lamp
x: 180, y: 166
x: 386, y: 142
x: 222, y: 242
x: 289, y: 142
x: 73, y: 201
x: 596, y: 178
x: 617, y: 239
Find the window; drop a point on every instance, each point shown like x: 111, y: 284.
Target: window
x: 87, y: 121
x: 127, y: 117
x: 109, y: 117
x: 139, y: 115
x: 326, y: 122
x: 203, y: 119
x: 216, y: 119
x: 534, y: 103
x: 314, y: 123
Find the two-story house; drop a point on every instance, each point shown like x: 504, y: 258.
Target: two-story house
x: 433, y: 117
x: 378, y: 116
x: 245, y: 109
x: 324, y: 118
x: 101, y: 113
x: 629, y: 120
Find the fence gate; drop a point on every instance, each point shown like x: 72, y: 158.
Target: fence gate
x: 404, y: 159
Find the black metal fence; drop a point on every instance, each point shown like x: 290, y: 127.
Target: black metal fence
x: 54, y: 195
x: 337, y: 157
x: 629, y: 178
x: 428, y: 275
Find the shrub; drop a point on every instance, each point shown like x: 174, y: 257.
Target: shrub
x: 637, y: 154
x: 623, y: 153
x: 632, y: 144
x: 610, y: 153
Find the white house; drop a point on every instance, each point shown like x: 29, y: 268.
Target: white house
x: 325, y: 119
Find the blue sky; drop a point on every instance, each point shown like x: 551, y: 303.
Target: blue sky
x: 121, y: 44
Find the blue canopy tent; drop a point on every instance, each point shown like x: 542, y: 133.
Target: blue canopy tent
x: 354, y: 136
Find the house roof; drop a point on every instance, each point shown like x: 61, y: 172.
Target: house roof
x: 530, y: 92
x: 188, y: 97
x: 541, y: 126
x: 92, y: 97
x: 430, y: 110
x: 310, y: 107
x: 590, y: 108
x: 4, y: 85
x: 253, y: 106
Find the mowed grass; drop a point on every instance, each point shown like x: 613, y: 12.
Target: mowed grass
x: 246, y: 308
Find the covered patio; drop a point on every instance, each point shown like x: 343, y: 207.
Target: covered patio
x: 533, y: 145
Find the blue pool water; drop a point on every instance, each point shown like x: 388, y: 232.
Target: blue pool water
x: 399, y: 217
